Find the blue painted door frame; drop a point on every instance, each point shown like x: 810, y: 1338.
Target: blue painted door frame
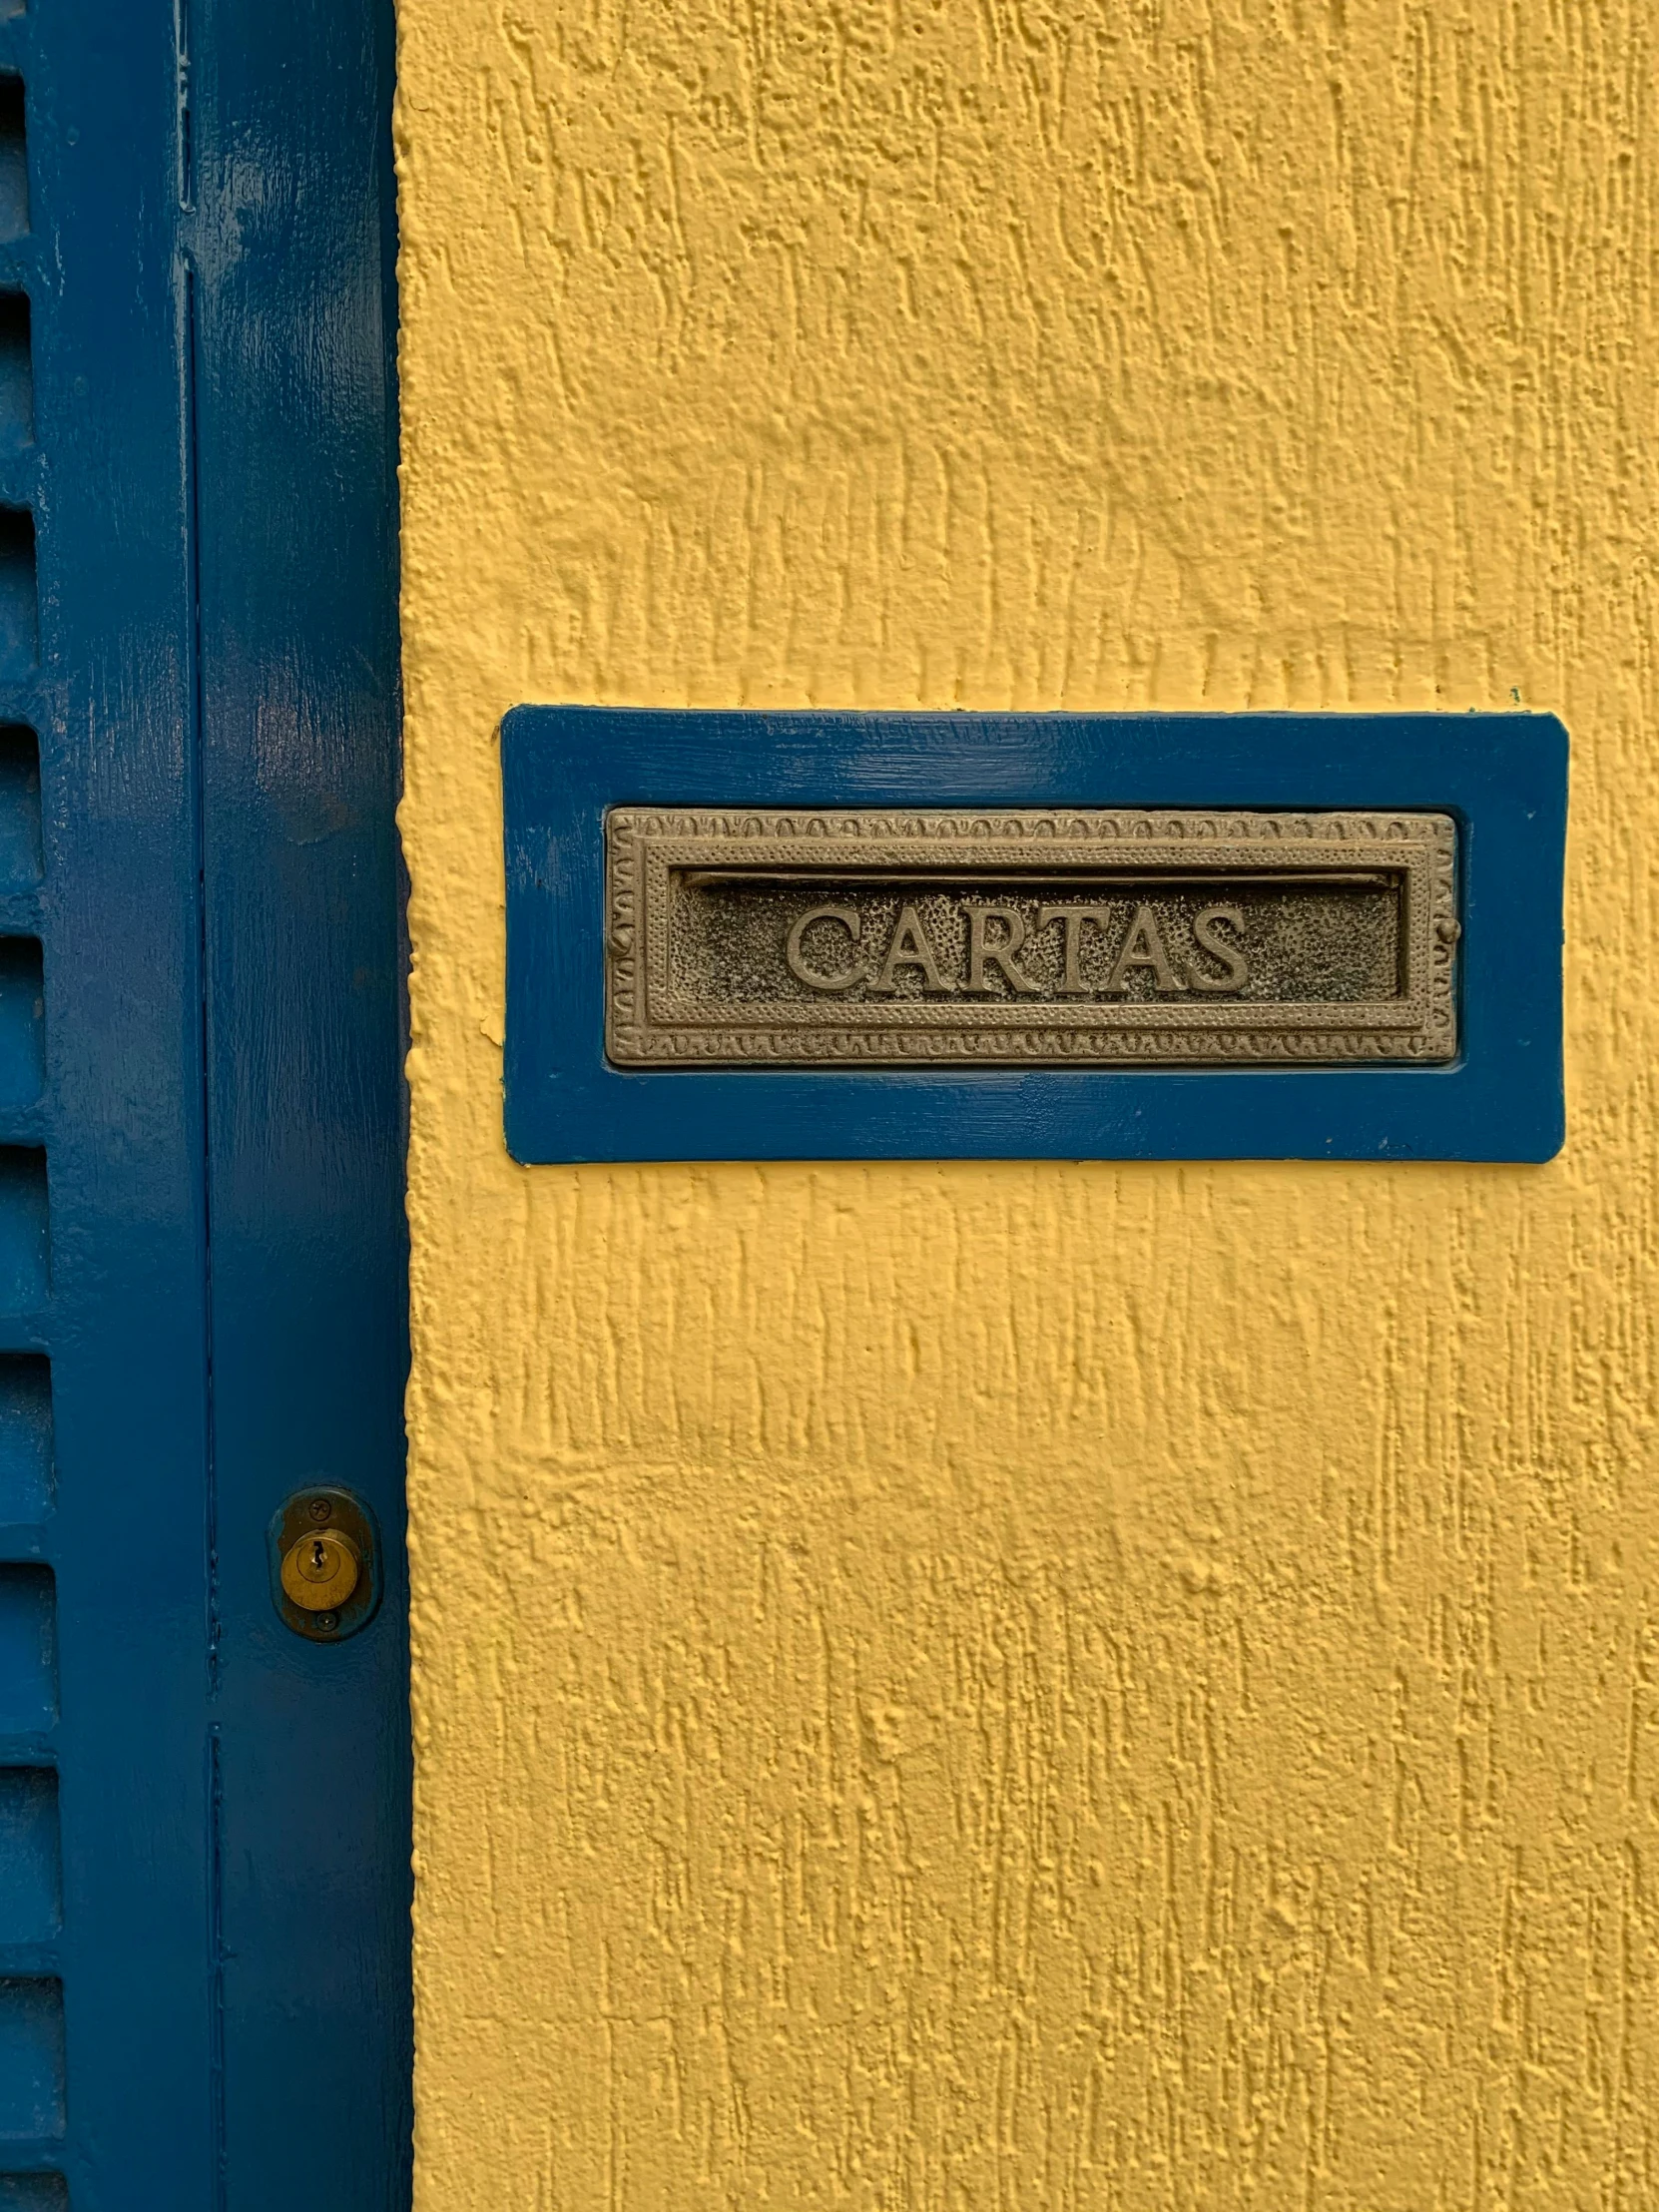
x: 203, y: 1819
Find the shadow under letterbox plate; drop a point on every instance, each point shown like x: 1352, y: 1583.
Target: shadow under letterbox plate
x: 803, y: 935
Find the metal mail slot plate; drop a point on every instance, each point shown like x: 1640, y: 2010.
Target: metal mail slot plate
x: 1038, y: 937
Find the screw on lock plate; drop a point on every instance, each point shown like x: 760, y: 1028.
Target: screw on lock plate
x: 325, y: 1563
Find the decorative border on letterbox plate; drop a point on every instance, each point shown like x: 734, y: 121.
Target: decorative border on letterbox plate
x: 645, y: 1027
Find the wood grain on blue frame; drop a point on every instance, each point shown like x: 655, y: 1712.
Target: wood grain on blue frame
x: 210, y: 863
x: 1503, y: 777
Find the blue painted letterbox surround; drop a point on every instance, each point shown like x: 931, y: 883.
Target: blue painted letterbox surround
x: 1502, y: 776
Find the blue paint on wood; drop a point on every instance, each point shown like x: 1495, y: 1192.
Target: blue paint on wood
x: 1503, y: 777
x: 201, y: 1238
x: 44, y: 2192
x: 31, y: 1857
x: 28, y: 1649
x: 27, y: 1464
x: 31, y: 2059
x: 297, y: 566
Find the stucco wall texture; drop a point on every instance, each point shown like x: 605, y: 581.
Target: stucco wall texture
x: 977, y: 1688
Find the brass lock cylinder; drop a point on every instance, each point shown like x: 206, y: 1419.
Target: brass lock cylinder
x: 320, y: 1570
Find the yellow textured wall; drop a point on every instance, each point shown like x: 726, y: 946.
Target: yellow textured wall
x: 984, y: 1688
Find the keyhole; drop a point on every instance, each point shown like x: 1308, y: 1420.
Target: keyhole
x: 319, y: 1558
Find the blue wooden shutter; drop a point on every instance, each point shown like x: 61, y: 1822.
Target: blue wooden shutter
x: 202, y: 1818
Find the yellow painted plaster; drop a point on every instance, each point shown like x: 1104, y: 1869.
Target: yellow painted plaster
x: 1062, y: 1686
